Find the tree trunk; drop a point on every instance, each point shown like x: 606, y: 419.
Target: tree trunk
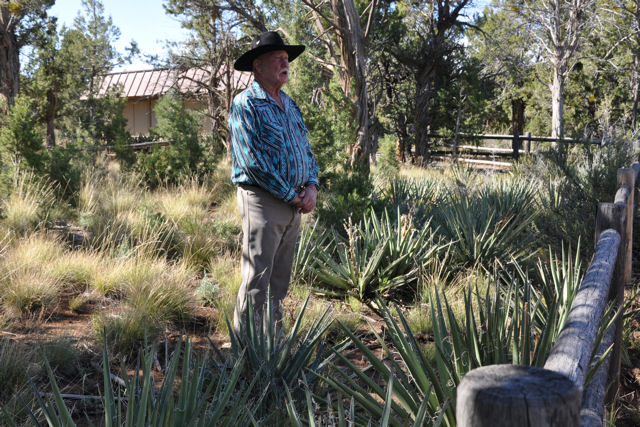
x: 355, y: 85
x: 518, y: 106
x: 424, y: 93
x: 635, y: 87
x: 557, y: 105
x: 9, y: 57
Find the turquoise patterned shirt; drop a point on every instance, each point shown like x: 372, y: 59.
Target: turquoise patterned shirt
x: 269, y: 145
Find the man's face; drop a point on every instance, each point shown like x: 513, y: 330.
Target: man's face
x: 273, y: 67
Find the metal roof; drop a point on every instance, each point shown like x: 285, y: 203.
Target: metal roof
x: 155, y: 82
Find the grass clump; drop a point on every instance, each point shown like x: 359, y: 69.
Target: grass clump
x: 25, y: 283
x: 126, y: 329
x: 28, y: 203
x: 15, y: 365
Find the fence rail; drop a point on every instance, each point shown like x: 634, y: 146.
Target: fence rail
x: 134, y: 146
x: 520, y: 144
x: 510, y: 395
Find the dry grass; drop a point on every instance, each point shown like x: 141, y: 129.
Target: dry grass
x: 225, y: 272
x: 27, y: 205
x: 26, y: 284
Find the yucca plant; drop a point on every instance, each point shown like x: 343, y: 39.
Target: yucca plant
x: 380, y: 255
x: 409, y: 390
x: 310, y: 240
x: 494, y: 223
x: 505, y: 324
x: 279, y: 363
x: 190, y: 394
x: 417, y: 197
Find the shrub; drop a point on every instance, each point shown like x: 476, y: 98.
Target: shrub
x: 347, y: 196
x: 183, y: 155
x: 21, y: 144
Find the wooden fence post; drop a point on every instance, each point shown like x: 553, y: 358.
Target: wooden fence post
x: 516, y: 144
x: 613, y: 215
x: 512, y: 395
x: 626, y: 178
x: 527, y: 143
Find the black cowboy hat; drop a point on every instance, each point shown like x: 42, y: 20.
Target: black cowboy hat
x: 263, y: 43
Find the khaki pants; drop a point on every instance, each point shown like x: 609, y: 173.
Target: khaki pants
x: 270, y: 227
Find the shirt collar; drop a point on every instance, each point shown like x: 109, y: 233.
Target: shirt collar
x: 260, y: 93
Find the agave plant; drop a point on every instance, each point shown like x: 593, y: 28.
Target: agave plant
x: 380, y: 256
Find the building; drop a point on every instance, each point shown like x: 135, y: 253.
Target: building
x: 143, y: 89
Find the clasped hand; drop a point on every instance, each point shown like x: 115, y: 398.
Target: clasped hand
x: 305, y: 201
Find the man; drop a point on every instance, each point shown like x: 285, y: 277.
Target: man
x: 275, y: 172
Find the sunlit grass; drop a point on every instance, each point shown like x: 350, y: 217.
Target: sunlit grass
x: 28, y: 203
x: 28, y: 291
x: 168, y: 294
x: 25, y: 283
x: 125, y: 329
x: 76, y: 269
x: 225, y: 272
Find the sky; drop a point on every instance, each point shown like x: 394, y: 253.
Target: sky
x: 141, y: 20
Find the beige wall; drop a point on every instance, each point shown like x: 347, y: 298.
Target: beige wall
x: 140, y: 116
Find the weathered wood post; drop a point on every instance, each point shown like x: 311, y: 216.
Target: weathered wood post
x: 516, y: 144
x: 512, y: 395
x: 626, y: 179
x: 527, y: 144
x: 613, y: 215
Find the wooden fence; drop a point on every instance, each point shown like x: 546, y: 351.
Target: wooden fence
x: 510, y: 395
x: 495, y: 156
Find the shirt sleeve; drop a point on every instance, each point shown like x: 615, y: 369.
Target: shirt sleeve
x: 251, y: 156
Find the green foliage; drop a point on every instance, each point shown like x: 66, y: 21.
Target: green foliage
x: 183, y: 155
x: 279, y: 364
x: 513, y: 322
x: 194, y: 390
x: 496, y: 222
x: 310, y: 241
x: 417, y: 198
x: 207, y: 291
x: 379, y: 256
x: 388, y: 164
x: 571, y: 190
x: 20, y: 140
x: 348, y: 195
